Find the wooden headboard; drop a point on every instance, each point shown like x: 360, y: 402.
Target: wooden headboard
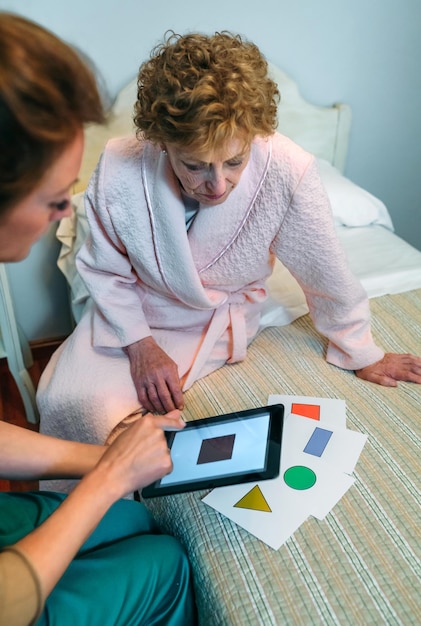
x: 321, y: 130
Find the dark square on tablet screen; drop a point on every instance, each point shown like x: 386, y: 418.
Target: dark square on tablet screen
x: 216, y: 449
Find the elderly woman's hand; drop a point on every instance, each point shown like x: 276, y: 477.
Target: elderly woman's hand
x: 155, y: 376
x: 391, y: 368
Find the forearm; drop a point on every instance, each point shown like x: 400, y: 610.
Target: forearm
x: 25, y: 454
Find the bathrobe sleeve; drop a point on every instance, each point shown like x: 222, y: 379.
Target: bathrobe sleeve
x: 308, y: 246
x: 106, y: 269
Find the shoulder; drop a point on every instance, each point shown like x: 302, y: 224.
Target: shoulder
x: 290, y: 169
x: 119, y: 164
x: 288, y: 154
x: 288, y: 163
x: 122, y: 157
x: 124, y: 148
x: 16, y: 574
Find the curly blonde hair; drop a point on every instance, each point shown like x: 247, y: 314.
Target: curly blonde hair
x: 199, y: 91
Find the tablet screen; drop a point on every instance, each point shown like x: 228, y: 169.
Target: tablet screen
x: 223, y: 450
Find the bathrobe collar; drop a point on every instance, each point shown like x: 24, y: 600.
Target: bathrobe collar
x: 180, y: 254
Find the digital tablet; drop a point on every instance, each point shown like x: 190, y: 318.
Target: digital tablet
x: 223, y: 450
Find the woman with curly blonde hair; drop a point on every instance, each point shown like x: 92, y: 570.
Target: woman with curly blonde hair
x: 186, y: 219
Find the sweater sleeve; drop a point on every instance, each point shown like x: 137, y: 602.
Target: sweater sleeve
x: 107, y: 271
x: 308, y: 245
x: 21, y: 599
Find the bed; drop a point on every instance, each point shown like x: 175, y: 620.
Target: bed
x: 361, y: 564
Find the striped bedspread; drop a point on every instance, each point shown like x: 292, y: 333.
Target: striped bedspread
x: 361, y: 565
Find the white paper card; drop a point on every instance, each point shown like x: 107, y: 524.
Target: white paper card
x: 318, y: 455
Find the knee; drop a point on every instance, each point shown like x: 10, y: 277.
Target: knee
x: 176, y: 594
x: 69, y: 412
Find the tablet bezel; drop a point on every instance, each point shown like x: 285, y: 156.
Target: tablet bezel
x: 272, y: 461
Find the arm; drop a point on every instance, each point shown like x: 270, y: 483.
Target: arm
x: 106, y: 268
x: 103, y: 261
x: 21, y: 599
x: 154, y: 373
x: 25, y: 454
x: 307, y: 244
x: 137, y: 458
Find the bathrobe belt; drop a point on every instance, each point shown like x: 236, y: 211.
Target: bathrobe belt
x: 230, y: 314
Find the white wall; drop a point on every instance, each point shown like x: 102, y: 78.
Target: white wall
x: 363, y: 52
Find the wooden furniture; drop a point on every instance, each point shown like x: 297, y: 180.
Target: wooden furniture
x: 15, y: 347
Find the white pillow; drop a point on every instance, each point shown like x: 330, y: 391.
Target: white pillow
x: 72, y: 232
x: 352, y: 205
x: 119, y: 123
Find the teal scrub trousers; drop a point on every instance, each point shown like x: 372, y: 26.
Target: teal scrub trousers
x: 125, y: 574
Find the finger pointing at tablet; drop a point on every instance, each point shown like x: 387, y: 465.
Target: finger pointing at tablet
x: 170, y: 421
x: 140, y: 454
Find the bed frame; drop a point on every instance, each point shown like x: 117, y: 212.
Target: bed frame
x: 359, y: 565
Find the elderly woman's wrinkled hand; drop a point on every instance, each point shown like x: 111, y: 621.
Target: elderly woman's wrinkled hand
x: 155, y: 376
x: 392, y: 368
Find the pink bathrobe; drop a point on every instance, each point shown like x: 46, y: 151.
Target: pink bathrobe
x: 200, y: 292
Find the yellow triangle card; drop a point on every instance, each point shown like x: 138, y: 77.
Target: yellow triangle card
x: 254, y: 500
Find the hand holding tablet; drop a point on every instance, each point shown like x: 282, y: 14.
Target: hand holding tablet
x: 223, y: 450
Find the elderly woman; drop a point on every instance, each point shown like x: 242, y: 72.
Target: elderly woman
x: 186, y: 220
x: 56, y: 567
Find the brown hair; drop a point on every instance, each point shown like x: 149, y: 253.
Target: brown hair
x: 47, y: 94
x: 199, y: 91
